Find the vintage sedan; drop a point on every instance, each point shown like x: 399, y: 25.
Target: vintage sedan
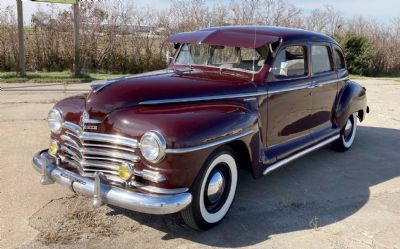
x: 171, y: 141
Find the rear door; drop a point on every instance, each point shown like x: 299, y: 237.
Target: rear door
x: 324, y: 90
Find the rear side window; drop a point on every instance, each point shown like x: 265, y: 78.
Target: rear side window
x: 339, y: 59
x: 320, y: 59
x: 290, y: 62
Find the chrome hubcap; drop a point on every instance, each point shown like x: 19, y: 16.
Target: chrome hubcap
x: 216, y: 187
x: 348, y: 128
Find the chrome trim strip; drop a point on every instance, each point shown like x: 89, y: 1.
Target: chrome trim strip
x: 153, y: 189
x: 208, y: 145
x: 204, y: 98
x: 299, y: 154
x: 233, y: 96
x: 140, y: 202
x: 289, y: 89
x: 309, y: 85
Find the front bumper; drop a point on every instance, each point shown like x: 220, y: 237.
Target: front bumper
x: 103, y: 193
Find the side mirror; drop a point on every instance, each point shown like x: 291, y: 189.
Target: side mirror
x: 281, y: 71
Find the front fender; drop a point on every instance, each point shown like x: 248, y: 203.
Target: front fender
x: 351, y: 98
x: 187, y: 126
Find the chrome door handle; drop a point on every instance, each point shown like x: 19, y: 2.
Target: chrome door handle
x: 318, y: 85
x: 314, y: 84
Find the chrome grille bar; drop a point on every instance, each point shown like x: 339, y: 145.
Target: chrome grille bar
x: 108, y: 146
x: 115, y: 160
x: 106, y: 138
x: 107, y: 153
x: 99, y: 164
x: 95, y: 152
x: 113, y: 139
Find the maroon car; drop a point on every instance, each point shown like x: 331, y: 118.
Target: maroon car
x: 172, y: 140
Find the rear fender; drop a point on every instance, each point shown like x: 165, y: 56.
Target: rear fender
x: 351, y: 98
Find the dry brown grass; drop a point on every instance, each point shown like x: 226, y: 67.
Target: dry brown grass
x: 54, y: 237
x: 79, y: 222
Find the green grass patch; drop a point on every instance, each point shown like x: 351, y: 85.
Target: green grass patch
x: 55, y: 77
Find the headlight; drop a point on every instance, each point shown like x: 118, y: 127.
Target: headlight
x: 152, y: 146
x: 55, y: 120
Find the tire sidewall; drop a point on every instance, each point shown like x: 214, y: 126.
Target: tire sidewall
x: 349, y: 143
x: 203, y: 218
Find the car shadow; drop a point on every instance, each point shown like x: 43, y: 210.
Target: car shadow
x: 319, y: 189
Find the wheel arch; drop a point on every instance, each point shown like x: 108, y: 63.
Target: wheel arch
x: 247, y: 153
x: 351, y: 98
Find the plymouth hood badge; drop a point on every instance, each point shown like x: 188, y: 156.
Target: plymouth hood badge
x: 88, y: 123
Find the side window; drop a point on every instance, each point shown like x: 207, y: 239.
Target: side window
x: 290, y: 62
x: 320, y: 59
x: 339, y: 59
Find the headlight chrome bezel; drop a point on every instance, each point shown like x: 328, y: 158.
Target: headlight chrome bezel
x: 162, y: 146
x: 52, y: 120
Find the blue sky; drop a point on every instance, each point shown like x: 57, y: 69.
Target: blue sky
x: 381, y: 10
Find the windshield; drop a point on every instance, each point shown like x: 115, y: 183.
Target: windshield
x: 248, y: 59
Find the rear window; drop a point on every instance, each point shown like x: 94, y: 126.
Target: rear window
x: 339, y: 60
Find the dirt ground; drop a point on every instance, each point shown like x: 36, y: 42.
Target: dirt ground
x: 323, y: 200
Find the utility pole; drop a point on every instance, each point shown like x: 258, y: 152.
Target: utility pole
x: 77, y: 66
x: 21, y: 52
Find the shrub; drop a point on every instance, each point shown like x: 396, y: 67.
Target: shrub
x: 358, y: 53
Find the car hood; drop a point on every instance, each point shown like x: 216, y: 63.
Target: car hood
x: 162, y: 85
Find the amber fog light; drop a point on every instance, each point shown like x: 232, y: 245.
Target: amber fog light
x: 125, y: 171
x: 152, y: 146
x: 54, y: 147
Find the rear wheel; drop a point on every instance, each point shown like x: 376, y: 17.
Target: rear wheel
x: 213, y: 191
x: 347, y: 134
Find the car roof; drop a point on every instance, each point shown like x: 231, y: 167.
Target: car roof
x: 248, y: 36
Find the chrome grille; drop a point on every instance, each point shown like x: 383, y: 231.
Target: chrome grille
x: 90, y: 152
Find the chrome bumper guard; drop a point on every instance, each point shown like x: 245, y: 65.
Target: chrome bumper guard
x: 103, y: 193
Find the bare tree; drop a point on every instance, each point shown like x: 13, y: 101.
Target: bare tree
x: 117, y: 36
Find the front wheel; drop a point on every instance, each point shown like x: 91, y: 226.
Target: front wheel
x: 213, y: 191
x: 347, y: 134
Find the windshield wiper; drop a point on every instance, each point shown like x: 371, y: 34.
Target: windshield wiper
x: 231, y: 73
x: 186, y: 70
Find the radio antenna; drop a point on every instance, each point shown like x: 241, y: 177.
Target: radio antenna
x: 254, y: 52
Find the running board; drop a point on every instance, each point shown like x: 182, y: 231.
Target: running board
x: 299, y: 154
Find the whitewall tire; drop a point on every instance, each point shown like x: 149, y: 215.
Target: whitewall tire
x: 347, y: 134
x: 213, y: 191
